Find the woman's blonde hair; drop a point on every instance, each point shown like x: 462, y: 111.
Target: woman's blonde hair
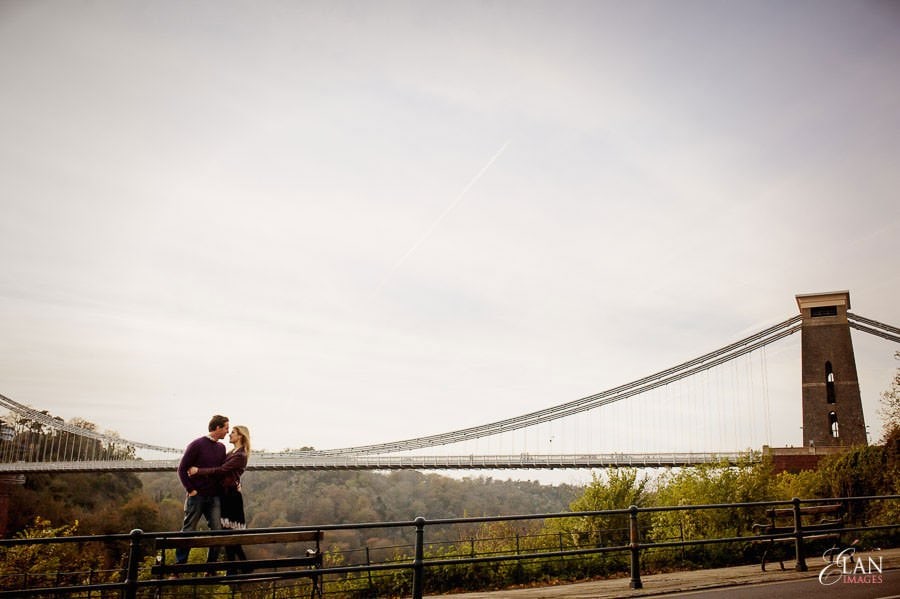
x: 244, y: 432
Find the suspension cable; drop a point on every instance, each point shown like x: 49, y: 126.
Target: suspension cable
x: 879, y: 329
x: 876, y: 332
x: 590, y: 402
x: 59, y: 424
x: 874, y: 323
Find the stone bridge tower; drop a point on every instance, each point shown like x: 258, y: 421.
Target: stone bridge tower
x: 832, y: 408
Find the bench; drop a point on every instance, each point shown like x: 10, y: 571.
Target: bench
x: 305, y: 566
x: 816, y: 522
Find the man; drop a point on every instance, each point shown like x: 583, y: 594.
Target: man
x: 203, y: 492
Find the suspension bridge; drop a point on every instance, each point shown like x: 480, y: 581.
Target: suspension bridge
x: 33, y: 441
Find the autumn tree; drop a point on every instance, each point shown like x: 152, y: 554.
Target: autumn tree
x: 94, y: 499
x: 616, y: 489
x: 36, y: 565
x: 890, y: 410
x: 748, y: 481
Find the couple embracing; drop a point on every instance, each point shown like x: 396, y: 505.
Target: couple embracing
x: 212, y: 479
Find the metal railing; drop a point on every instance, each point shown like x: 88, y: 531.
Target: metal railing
x: 133, y: 579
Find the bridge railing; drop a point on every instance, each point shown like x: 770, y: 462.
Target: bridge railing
x: 626, y: 536
x: 527, y: 461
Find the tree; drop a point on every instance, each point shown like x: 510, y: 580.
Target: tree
x: 746, y: 481
x: 46, y: 565
x: 620, y: 489
x: 890, y: 410
x: 94, y: 499
x: 804, y: 484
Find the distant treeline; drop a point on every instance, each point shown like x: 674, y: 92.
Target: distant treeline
x: 336, y: 497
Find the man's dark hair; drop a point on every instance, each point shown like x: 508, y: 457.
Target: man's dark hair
x: 217, y: 421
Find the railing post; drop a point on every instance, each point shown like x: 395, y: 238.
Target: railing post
x: 634, y: 543
x: 134, y: 560
x: 419, y: 561
x: 798, y: 536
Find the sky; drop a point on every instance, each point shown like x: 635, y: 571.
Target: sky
x: 342, y: 223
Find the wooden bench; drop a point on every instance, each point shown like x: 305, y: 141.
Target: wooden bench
x: 309, y: 562
x: 816, y: 522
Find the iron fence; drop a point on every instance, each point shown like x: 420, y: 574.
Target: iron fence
x: 631, y: 534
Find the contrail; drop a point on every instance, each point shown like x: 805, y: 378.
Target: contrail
x: 443, y: 214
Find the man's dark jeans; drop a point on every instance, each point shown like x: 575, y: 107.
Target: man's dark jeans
x: 195, y: 507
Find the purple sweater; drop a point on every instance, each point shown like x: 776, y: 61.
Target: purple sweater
x: 229, y: 473
x: 203, y: 453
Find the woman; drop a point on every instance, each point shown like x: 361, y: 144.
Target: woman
x: 229, y: 477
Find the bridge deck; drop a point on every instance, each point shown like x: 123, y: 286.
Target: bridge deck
x: 263, y: 461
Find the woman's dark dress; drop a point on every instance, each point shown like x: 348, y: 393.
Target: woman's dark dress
x: 229, y: 477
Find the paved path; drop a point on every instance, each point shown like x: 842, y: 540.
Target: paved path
x: 675, y: 582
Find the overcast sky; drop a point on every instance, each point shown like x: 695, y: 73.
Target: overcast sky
x: 343, y: 223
